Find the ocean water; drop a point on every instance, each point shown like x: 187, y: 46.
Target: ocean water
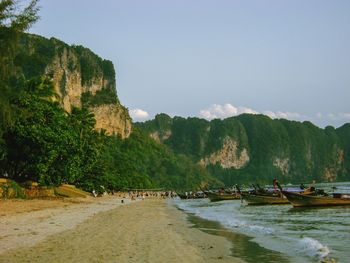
x: 294, y: 234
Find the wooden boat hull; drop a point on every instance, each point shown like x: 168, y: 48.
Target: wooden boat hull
x: 215, y: 197
x: 183, y: 196
x: 252, y: 199
x: 300, y: 200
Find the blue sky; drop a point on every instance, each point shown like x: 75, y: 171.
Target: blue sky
x: 215, y: 59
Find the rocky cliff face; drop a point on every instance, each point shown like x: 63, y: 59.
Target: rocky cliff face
x: 255, y: 148
x: 228, y: 156
x: 68, y: 82
x: 282, y: 164
x: 113, y: 119
x: 160, y: 137
x: 80, y: 78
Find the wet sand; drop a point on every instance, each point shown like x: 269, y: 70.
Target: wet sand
x: 243, y: 246
x: 108, y: 231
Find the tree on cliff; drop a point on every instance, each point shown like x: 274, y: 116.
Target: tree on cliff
x: 46, y: 144
x: 13, y: 21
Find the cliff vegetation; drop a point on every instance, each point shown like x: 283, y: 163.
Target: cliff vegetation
x: 255, y: 148
x: 61, y: 120
x: 80, y: 78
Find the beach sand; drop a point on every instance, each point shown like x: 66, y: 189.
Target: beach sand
x: 105, y: 230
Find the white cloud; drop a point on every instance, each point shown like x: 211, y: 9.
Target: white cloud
x: 217, y: 111
x: 242, y: 110
x: 224, y: 111
x: 341, y: 116
x: 344, y: 115
x: 228, y: 110
x: 283, y: 115
x: 138, y: 114
x: 332, y: 118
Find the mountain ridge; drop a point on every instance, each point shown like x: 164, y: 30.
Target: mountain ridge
x: 248, y: 148
x: 80, y: 78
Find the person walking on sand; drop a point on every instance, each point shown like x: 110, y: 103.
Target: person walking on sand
x: 275, y: 183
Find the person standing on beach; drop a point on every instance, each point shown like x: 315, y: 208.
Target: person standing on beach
x: 275, y: 183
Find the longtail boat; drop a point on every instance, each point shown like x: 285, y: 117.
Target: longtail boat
x: 191, y: 196
x: 266, y: 199
x: 215, y: 197
x: 302, y: 200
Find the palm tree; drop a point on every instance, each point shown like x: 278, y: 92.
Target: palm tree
x: 13, y: 22
x: 42, y: 87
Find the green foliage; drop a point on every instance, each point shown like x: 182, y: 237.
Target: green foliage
x: 13, y: 21
x: 221, y: 129
x: 11, y: 16
x: 109, y: 74
x: 35, y: 53
x: 45, y: 144
x: 49, y: 146
x: 34, y: 63
x: 307, y: 151
x: 103, y: 96
x: 344, y: 134
x: 12, y: 190
x: 161, y: 123
x: 140, y: 162
x: 195, y: 137
x: 188, y: 136
x: 39, y: 141
x: 92, y: 67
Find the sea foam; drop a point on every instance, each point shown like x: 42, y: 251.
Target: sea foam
x: 312, y: 248
x: 225, y: 216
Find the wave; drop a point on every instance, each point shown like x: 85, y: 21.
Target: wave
x: 224, y: 216
x: 312, y: 248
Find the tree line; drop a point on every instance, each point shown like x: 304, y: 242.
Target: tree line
x: 41, y: 142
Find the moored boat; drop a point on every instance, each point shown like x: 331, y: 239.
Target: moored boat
x: 257, y: 199
x: 302, y: 200
x: 195, y: 195
x: 214, y: 197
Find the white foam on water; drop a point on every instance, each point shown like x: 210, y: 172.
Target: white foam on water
x: 261, y: 229
x: 279, y: 228
x: 224, y: 216
x: 312, y: 248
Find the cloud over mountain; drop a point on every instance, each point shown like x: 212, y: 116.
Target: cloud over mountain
x: 138, y: 114
x: 224, y: 111
x: 229, y: 110
x: 217, y: 111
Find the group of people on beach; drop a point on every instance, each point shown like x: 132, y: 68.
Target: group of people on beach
x: 153, y: 194
x: 139, y: 194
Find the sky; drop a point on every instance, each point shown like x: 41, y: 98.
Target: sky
x: 217, y: 58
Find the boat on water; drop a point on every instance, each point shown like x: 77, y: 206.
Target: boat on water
x: 196, y: 195
x: 215, y: 197
x: 261, y: 196
x: 264, y: 199
x: 302, y: 200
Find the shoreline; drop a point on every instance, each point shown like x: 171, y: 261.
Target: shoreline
x: 243, y: 246
x: 105, y: 230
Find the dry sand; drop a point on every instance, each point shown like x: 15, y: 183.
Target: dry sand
x: 104, y: 230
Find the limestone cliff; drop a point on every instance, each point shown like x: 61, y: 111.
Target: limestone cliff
x: 334, y: 168
x: 112, y: 119
x: 80, y: 77
x: 160, y: 137
x: 254, y: 148
x: 282, y: 164
x: 228, y: 156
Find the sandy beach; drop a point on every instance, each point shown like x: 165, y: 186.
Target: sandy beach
x: 104, y: 230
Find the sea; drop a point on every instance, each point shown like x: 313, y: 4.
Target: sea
x: 277, y: 233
